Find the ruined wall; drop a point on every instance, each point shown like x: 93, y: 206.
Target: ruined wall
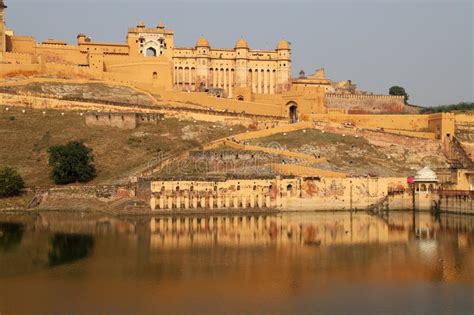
x: 362, y: 104
x: 121, y: 120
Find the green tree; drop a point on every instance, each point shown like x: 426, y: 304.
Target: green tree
x: 11, y: 182
x: 399, y: 91
x: 71, y: 163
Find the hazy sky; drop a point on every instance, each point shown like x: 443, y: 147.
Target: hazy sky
x: 425, y: 46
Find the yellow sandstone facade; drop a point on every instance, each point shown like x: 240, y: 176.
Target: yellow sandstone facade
x: 238, y: 79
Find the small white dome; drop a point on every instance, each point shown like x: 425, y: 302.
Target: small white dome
x: 426, y: 174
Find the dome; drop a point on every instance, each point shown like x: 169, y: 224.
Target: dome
x: 202, y: 42
x: 426, y: 174
x: 283, y: 44
x: 141, y: 24
x: 242, y: 43
x: 160, y: 25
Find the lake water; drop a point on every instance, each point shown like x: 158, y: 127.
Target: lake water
x: 337, y: 263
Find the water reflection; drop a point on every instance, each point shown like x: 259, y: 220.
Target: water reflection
x: 67, y: 248
x: 252, y: 263
x: 10, y: 235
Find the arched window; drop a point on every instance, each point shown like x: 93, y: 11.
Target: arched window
x: 151, y: 52
x: 289, y: 187
x: 155, y: 75
x: 240, y: 98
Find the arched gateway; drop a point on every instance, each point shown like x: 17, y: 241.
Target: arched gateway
x: 292, y: 112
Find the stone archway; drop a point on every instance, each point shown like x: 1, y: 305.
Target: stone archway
x: 292, y: 112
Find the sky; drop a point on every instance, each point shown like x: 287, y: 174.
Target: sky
x: 425, y: 46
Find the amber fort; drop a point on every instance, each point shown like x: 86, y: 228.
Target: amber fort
x: 244, y: 87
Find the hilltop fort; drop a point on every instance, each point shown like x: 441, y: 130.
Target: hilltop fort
x: 256, y: 136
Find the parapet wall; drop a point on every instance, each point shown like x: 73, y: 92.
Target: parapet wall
x: 361, y: 104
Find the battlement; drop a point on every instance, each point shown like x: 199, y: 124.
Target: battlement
x: 362, y: 96
x: 362, y: 104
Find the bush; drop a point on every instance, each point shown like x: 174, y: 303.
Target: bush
x: 462, y: 107
x: 71, y: 163
x: 11, y: 182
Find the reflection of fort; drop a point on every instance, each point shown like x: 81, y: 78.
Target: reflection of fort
x: 314, y: 229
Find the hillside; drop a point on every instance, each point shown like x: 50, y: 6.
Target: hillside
x: 27, y: 136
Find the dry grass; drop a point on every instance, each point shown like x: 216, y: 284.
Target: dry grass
x: 25, y: 139
x: 355, y: 155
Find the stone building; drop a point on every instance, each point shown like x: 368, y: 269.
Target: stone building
x: 254, y: 81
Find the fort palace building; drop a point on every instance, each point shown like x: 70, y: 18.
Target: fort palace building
x: 260, y: 79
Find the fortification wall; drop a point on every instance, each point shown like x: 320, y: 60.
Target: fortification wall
x: 395, y: 122
x: 361, y: 104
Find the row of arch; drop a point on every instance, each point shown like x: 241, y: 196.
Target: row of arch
x: 262, y: 81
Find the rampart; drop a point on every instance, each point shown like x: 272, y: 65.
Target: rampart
x: 363, y: 104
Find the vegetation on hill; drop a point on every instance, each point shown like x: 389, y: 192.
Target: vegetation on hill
x: 72, y: 162
x: 461, y: 107
x: 11, y: 183
x: 118, y: 153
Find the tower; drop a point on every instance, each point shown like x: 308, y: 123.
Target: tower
x: 241, y: 59
x: 202, y: 66
x: 2, y: 28
x: 284, y: 66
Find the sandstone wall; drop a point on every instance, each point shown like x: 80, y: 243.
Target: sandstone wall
x: 362, y: 104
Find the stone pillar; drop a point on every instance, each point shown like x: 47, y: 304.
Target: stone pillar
x: 236, y: 202
x: 170, y: 203
x: 178, y: 202
x: 260, y: 201
x: 227, y: 202
x: 225, y: 80
x: 219, y: 202
x: 231, y: 81
x: 272, y: 82
x: 162, y: 202
x: 259, y: 81
x: 186, y: 202
x: 203, y: 202
x: 254, y: 81
x: 214, y: 78
x: 195, y: 202
x: 244, y: 202
x: 252, y: 201
x: 265, y: 82
x: 219, y: 81
x: 211, y: 202
x: 153, y: 203
x: 190, y: 78
x: 268, y: 202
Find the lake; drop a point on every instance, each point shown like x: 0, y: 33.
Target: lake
x: 326, y: 262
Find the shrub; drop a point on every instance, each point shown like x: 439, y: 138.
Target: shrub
x: 71, y: 163
x: 11, y: 182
